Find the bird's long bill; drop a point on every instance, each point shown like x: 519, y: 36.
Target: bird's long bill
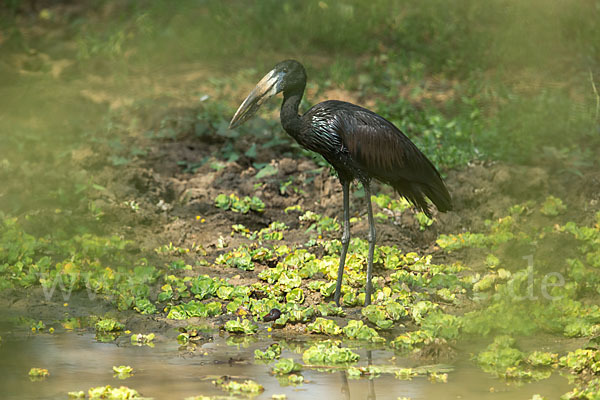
x: 267, y: 87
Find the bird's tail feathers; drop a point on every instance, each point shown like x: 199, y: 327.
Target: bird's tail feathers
x: 439, y: 195
x: 416, y: 193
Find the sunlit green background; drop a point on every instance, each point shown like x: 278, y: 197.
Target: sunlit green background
x: 501, y: 80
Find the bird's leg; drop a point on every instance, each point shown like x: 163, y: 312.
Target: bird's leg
x: 371, y: 239
x: 345, y: 241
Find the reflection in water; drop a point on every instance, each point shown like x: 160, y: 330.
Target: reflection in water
x: 77, y: 362
x: 371, y: 395
x: 345, y: 387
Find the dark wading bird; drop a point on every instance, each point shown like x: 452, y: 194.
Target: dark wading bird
x: 358, y: 143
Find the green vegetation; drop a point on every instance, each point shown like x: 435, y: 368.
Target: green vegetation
x: 194, y: 308
x: 109, y: 325
x: 552, y: 207
x: 357, y: 330
x: 141, y: 339
x: 122, y: 371
x: 191, y: 334
x: 438, y: 284
x: 370, y: 371
x: 243, y: 205
x: 290, y: 379
x: 582, y: 363
x: 271, y: 353
x: 243, y: 326
x: 286, y: 366
x: 107, y: 392
x: 557, y: 305
x: 88, y: 262
x: 37, y: 374
x: 491, y: 81
x: 324, y: 326
x: 108, y: 329
x: 479, y: 119
x: 115, y: 141
x: 235, y: 387
x: 329, y: 352
x: 319, y: 223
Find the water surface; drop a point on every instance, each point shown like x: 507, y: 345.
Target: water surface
x: 76, y: 361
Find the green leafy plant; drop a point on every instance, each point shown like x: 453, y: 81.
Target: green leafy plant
x: 195, y: 308
x: 239, y: 258
x: 324, y: 326
x: 235, y: 387
x: 584, y: 390
x: 140, y: 339
x: 272, y: 352
x: 286, y: 366
x: 244, y: 326
x: 553, y: 206
x: 203, y: 287
x: 109, y: 325
x: 111, y: 393
x: 378, y: 316
x: 500, y: 355
x: 542, y: 359
x: 290, y: 379
x: 320, y: 223
x: 330, y: 309
x: 243, y: 205
x: 412, y: 340
x: 357, y: 330
x: 265, y: 170
x: 144, y: 306
x: 370, y: 371
x: 329, y: 352
x: 122, y: 371
x: 424, y: 220
x: 442, y: 325
x: 37, y: 374
x: 295, y: 295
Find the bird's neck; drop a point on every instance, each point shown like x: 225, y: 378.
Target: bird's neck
x: 290, y: 120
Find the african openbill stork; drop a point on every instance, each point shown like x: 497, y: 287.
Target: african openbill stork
x: 358, y: 143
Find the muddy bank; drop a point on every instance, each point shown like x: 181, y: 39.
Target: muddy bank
x: 166, y: 195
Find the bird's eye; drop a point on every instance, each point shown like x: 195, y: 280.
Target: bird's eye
x: 285, y: 69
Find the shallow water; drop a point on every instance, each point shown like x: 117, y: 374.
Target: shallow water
x: 76, y: 361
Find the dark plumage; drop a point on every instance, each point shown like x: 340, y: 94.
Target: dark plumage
x: 358, y: 143
x: 363, y: 145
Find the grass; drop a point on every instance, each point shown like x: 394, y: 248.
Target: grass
x: 496, y: 81
x: 523, y: 69
x: 467, y: 35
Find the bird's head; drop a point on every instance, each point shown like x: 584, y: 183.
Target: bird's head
x: 287, y: 76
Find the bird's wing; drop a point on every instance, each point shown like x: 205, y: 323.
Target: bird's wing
x: 382, y: 149
x: 378, y: 148
x: 388, y: 155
